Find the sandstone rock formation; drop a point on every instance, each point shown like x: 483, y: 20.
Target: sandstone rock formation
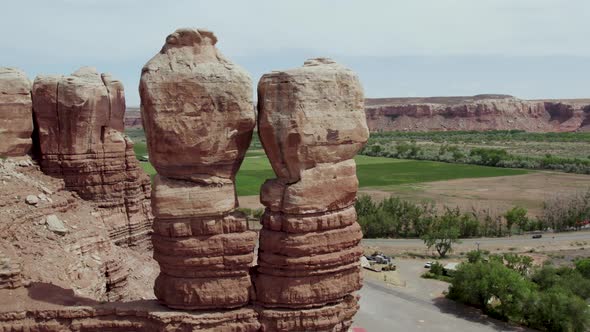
x: 47, y: 308
x: 197, y: 113
x: 80, y: 135
x: 16, y: 113
x: 83, y: 259
x: 481, y: 112
x: 311, y: 125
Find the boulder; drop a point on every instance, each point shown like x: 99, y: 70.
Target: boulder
x: 196, y: 108
x: 309, y: 116
x: 32, y: 200
x: 16, y: 113
x: 55, y: 225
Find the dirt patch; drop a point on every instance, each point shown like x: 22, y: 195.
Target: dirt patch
x: 391, y: 278
x: 496, y: 193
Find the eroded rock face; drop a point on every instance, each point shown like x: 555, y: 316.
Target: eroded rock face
x: 197, y: 109
x: 197, y: 113
x: 311, y: 125
x: 80, y: 134
x: 16, y: 113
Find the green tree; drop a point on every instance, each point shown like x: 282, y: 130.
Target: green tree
x: 365, y: 206
x: 519, y: 263
x: 583, y: 266
x: 469, y: 226
x: 563, y: 277
x: 516, y: 216
x: 443, y: 232
x: 493, y: 287
x: 557, y: 309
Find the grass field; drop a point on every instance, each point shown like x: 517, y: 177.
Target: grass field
x: 377, y: 172
x: 564, y: 152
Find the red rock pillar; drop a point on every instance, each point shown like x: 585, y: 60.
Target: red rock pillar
x: 311, y: 124
x: 197, y: 112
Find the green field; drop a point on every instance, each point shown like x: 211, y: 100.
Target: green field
x: 372, y: 171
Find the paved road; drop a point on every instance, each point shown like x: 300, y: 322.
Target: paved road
x: 548, y: 241
x: 387, y: 309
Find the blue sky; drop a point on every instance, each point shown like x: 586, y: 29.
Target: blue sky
x: 528, y: 48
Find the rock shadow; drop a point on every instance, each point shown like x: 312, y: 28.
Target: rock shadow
x: 475, y: 315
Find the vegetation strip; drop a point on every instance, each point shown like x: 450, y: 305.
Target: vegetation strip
x: 567, y: 152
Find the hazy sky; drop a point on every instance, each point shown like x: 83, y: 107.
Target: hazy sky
x: 528, y: 48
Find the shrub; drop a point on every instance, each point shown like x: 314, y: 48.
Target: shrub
x: 489, y: 157
x: 551, y: 299
x: 583, y: 266
x: 474, y: 256
x: 491, y: 286
x: 556, y: 310
x: 436, y: 268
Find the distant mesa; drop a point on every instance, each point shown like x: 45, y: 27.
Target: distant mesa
x: 479, y: 113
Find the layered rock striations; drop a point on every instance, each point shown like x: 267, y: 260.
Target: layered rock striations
x: 197, y: 113
x: 16, y: 113
x: 80, y: 127
x: 481, y: 112
x: 311, y: 125
x: 48, y: 308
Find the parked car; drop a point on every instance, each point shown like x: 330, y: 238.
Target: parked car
x: 537, y: 236
x: 428, y: 265
x: 380, y: 258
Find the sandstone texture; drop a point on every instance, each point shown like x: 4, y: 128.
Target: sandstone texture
x: 481, y: 112
x: 197, y: 113
x: 47, y: 308
x: 62, y: 241
x: 16, y: 113
x: 311, y: 125
x: 196, y: 109
x: 80, y: 136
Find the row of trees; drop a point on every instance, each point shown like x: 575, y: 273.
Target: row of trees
x: 397, y: 218
x: 477, y: 137
x: 508, y: 287
x: 478, y: 156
